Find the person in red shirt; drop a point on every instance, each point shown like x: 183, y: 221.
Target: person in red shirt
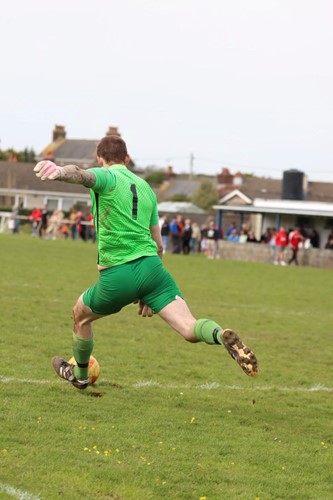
x: 295, y: 238
x: 35, y: 217
x: 92, y: 232
x: 281, y: 241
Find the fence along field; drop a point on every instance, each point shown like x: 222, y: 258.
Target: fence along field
x: 174, y: 420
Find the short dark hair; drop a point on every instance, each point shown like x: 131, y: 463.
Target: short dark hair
x: 112, y: 149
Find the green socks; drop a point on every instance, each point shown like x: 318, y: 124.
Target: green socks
x: 208, y: 331
x: 82, y: 348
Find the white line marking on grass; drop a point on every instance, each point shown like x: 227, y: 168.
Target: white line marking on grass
x: 208, y: 386
x: 19, y: 494
x: 8, y: 380
x: 215, y: 385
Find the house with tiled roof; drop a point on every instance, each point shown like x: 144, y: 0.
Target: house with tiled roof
x: 65, y: 151
x: 265, y: 187
x: 19, y: 186
x: 270, y: 203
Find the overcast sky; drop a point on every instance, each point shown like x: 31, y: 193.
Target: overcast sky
x: 246, y: 84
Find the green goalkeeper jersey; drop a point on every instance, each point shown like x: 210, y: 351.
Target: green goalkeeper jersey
x: 124, y: 207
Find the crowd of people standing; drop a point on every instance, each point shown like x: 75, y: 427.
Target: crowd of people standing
x: 184, y: 236
x: 55, y: 225
x: 179, y: 235
x: 281, y: 239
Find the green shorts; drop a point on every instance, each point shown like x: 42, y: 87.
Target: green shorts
x: 145, y: 279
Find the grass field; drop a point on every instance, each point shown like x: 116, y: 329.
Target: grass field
x: 174, y: 420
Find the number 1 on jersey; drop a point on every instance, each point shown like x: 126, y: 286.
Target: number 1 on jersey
x: 135, y: 202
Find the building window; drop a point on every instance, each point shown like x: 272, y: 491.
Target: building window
x: 52, y: 203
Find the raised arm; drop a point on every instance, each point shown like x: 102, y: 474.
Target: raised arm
x: 47, y: 170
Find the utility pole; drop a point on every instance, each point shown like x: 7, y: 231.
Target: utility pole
x: 191, y: 166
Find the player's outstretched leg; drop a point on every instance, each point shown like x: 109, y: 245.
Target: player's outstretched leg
x: 180, y: 318
x: 65, y: 371
x: 240, y: 352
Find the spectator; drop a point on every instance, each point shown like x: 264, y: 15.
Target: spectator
x: 212, y: 237
x: 186, y: 237
x: 243, y: 235
x: 175, y: 235
x: 195, y: 238
x: 244, y: 229
x: 14, y: 226
x: 54, y: 227
x: 180, y: 223
x: 267, y: 236
x: 295, y: 238
x: 73, y: 222
x: 165, y: 231
x: 203, y: 239
x: 81, y: 227
x: 233, y: 236
x: 272, y: 244
x: 44, y: 222
x: 329, y: 244
x: 230, y: 229
x: 91, y: 228
x: 314, y: 239
x: 251, y: 238
x: 281, y: 241
x: 64, y: 231
x: 35, y: 217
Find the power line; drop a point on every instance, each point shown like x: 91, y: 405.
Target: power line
x: 222, y: 163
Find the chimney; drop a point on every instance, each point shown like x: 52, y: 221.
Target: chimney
x: 225, y: 178
x: 113, y: 131
x: 169, y: 173
x: 238, y: 179
x: 59, y: 133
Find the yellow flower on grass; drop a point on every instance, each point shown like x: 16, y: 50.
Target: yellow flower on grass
x: 203, y: 498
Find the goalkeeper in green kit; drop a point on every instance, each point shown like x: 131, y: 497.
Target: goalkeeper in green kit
x: 129, y: 262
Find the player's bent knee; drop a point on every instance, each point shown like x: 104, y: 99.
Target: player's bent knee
x: 81, y: 313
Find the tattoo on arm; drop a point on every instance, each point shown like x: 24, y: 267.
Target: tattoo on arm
x: 75, y: 175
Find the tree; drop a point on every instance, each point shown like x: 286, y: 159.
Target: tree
x: 206, y: 196
x: 25, y: 156
x: 155, y: 178
x: 179, y: 197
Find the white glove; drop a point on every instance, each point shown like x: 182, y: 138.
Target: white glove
x: 46, y: 169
